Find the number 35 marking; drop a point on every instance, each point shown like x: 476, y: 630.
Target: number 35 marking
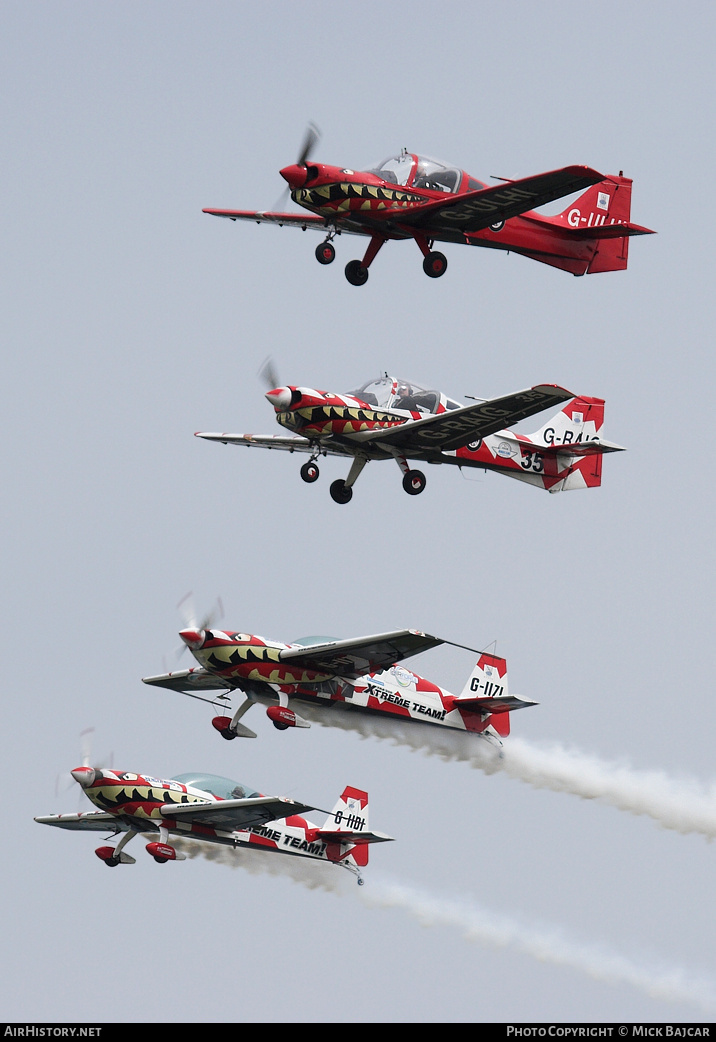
x: 533, y: 461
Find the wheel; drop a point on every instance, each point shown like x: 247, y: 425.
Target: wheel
x: 360, y: 881
x: 310, y: 472
x: 414, y: 482
x: 325, y: 254
x: 435, y: 264
x: 356, y: 274
x: 340, y: 493
x: 279, y: 726
x: 111, y: 862
x: 161, y: 860
x: 228, y: 734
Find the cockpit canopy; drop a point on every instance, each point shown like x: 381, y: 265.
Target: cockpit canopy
x: 224, y: 788
x: 414, y: 171
x: 389, y: 392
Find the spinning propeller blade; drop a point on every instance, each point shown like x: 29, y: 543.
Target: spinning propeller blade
x: 310, y: 140
x: 268, y: 375
x: 191, y: 621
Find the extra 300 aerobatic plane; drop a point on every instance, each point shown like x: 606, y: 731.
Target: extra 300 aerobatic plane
x: 389, y: 418
x: 409, y: 196
x: 333, y: 680
x: 216, y: 810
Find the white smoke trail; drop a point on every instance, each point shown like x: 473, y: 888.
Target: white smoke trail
x: 315, y: 875
x: 547, y: 944
x: 682, y: 804
x: 476, y: 923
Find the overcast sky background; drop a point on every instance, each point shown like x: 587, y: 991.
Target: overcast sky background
x: 132, y: 319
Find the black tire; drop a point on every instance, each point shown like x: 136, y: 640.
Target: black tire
x: 435, y: 264
x: 228, y: 734
x: 111, y: 862
x: 356, y: 274
x: 279, y: 726
x: 310, y: 472
x: 161, y: 860
x: 340, y: 493
x: 414, y: 482
x: 325, y: 253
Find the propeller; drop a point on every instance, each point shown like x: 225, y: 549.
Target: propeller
x: 310, y: 140
x: 192, y: 624
x: 268, y: 375
x: 66, y: 779
x: 297, y: 172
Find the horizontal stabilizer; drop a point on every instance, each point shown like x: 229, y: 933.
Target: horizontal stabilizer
x: 344, y: 836
x: 498, y: 704
x: 582, y: 448
x: 610, y: 231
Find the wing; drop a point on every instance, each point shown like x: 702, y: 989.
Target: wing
x: 473, y: 211
x: 275, y: 441
x: 236, y: 814
x: 452, y: 430
x: 293, y: 220
x: 298, y: 220
x: 189, y: 681
x: 91, y: 821
x: 355, y: 658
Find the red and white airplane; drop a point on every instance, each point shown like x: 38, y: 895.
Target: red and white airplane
x: 331, y: 679
x: 410, y: 196
x: 389, y: 418
x: 212, y: 809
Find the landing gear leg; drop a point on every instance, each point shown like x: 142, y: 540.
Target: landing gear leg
x: 414, y: 481
x: 434, y: 263
x: 357, y: 271
x: 342, y: 491
x: 325, y: 252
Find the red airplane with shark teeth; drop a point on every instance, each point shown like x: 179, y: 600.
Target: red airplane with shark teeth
x: 410, y: 196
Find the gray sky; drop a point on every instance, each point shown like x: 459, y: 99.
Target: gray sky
x: 132, y: 320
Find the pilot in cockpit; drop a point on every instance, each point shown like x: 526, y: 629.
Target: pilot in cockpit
x: 406, y: 399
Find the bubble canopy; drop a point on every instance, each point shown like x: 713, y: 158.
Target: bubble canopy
x: 223, y: 788
x: 412, y: 170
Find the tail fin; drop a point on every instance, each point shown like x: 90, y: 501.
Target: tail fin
x: 573, y: 448
x: 486, y: 692
x: 346, y: 831
x: 602, y: 215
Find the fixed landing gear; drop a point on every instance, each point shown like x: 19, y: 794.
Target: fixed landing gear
x: 357, y: 271
x: 435, y: 264
x: 340, y: 492
x: 356, y: 274
x: 325, y: 253
x: 310, y: 472
x: 414, y: 482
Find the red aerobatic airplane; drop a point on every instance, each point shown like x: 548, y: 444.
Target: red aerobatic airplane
x: 338, y: 682
x: 389, y: 418
x: 216, y: 810
x: 414, y: 197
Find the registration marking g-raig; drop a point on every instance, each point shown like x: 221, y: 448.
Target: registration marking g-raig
x: 568, y: 438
